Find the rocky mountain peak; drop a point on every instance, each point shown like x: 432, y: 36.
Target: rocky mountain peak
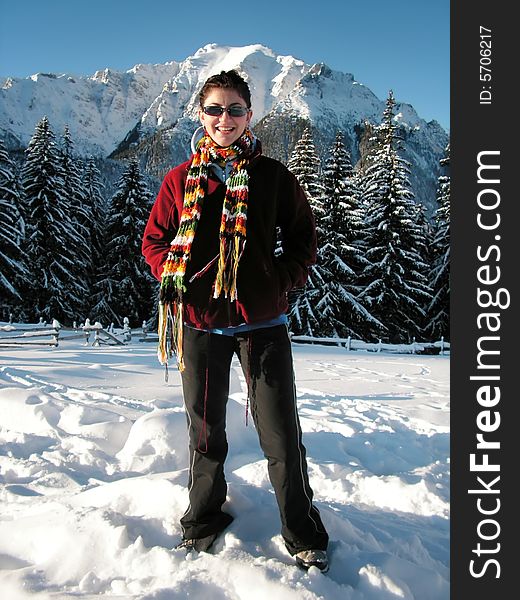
x: 154, y: 106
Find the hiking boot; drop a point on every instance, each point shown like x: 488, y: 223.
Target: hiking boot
x: 312, y: 558
x: 197, y: 544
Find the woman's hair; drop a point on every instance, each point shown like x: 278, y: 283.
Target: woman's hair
x: 230, y: 80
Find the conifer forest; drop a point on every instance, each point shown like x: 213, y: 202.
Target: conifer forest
x: 70, y: 251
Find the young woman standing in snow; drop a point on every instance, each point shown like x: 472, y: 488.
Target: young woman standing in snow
x: 210, y: 240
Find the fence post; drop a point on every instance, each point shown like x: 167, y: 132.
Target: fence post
x: 86, y: 331
x: 442, y: 345
x: 56, y: 325
x: 379, y: 345
x: 145, y: 329
x: 347, y: 346
x: 126, y: 330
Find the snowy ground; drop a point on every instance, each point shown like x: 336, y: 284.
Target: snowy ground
x: 93, y: 469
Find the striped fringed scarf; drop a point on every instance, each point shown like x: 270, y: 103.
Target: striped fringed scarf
x: 232, y: 237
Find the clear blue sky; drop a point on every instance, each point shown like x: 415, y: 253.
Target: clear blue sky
x: 401, y: 45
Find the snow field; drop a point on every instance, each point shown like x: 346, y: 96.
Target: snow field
x: 93, y: 473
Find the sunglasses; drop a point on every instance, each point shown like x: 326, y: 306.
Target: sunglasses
x: 217, y: 111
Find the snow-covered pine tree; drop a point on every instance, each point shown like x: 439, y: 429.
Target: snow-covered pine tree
x: 426, y: 252
x: 341, y: 205
x: 341, y: 253
x: 127, y: 289
x: 51, y: 239
x: 12, y: 227
x: 96, y: 207
x: 439, y: 308
x: 395, y: 284
x: 304, y: 163
x: 80, y: 221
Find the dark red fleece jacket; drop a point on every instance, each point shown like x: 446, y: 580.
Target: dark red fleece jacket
x: 275, y: 200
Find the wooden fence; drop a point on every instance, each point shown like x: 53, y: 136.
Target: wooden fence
x: 95, y: 334
x: 439, y: 347
x: 42, y: 334
x: 29, y: 335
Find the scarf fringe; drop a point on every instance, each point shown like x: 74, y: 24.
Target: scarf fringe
x: 226, y: 279
x: 171, y: 333
x: 164, y: 346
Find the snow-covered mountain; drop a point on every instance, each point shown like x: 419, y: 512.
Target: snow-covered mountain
x: 103, y: 108
x: 151, y: 109
x: 99, y: 109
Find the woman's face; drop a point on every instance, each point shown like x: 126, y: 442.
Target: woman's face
x: 224, y: 129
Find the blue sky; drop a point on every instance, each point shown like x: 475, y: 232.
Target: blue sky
x: 401, y: 45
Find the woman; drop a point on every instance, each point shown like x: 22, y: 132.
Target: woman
x: 210, y: 240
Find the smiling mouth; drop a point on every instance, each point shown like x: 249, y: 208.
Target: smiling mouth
x: 225, y: 129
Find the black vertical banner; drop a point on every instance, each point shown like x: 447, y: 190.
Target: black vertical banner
x: 484, y: 310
